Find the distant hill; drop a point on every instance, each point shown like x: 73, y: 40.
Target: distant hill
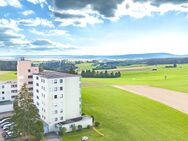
x: 121, y: 57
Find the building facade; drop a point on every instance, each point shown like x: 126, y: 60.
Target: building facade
x: 8, y: 92
x: 25, y: 72
x: 58, y: 99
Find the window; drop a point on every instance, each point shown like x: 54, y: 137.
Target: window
x: 3, y: 98
x: 29, y: 70
x: 61, y: 96
x: 3, y: 86
x: 37, y: 97
x: 13, y: 97
x: 30, y: 76
x: 37, y: 103
x: 13, y: 91
x: 61, y: 111
x: 55, y: 111
x: 55, y: 81
x: 37, y: 90
x: 61, y: 118
x: 37, y: 84
x: 37, y: 78
x: 56, y: 119
x: 61, y: 88
x: 3, y: 92
x: 30, y: 89
x: 55, y: 89
x: 61, y: 80
x: 55, y: 96
x: 30, y: 82
x: 42, y: 80
x: 13, y: 86
x: 42, y: 87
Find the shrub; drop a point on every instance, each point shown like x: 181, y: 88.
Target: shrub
x: 89, y: 127
x: 79, y: 127
x: 62, y: 131
x: 97, y: 124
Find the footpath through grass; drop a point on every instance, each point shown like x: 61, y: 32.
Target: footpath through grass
x: 128, y: 117
x: 7, y: 75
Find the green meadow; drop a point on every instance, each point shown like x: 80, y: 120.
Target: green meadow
x: 7, y: 75
x: 129, y: 117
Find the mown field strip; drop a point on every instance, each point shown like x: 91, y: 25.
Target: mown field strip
x: 174, y: 99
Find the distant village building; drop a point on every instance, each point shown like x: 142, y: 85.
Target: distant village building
x: 8, y: 92
x: 58, y: 98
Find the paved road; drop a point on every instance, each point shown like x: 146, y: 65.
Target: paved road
x: 1, y: 138
x: 52, y: 137
x: 174, y: 99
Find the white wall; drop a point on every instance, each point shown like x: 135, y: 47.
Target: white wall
x: 6, y: 108
x: 7, y: 89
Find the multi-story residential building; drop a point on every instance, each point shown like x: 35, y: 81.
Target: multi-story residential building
x: 25, y: 72
x: 8, y: 92
x: 58, y: 99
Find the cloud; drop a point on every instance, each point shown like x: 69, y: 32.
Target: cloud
x: 10, y: 35
x: 41, y: 2
x: 53, y: 32
x: 159, y: 2
x: 28, y: 12
x: 13, y: 3
x: 84, y: 12
x: 46, y: 44
x: 106, y: 8
x: 35, y: 22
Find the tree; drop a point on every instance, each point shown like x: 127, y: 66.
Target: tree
x: 26, y: 115
x: 97, y: 124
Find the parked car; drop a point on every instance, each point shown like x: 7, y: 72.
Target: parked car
x: 4, y: 120
x: 4, y: 123
x: 8, y: 125
x: 10, y: 134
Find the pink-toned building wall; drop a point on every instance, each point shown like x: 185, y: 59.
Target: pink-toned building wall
x: 25, y: 73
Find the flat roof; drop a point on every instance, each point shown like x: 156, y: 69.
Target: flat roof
x: 53, y: 74
x: 8, y: 82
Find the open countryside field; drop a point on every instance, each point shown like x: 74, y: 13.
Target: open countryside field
x: 7, y: 75
x: 128, y: 117
x: 177, y: 78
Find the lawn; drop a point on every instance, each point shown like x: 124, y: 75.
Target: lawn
x: 7, y: 75
x: 128, y: 117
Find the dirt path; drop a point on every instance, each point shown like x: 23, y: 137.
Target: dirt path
x: 174, y: 99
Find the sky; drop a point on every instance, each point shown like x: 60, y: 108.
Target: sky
x: 93, y: 27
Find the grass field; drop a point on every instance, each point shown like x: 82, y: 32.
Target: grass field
x: 177, y: 78
x: 128, y: 117
x: 7, y: 75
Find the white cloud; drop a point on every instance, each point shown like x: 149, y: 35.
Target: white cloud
x: 53, y: 32
x: 13, y: 3
x: 41, y: 2
x: 28, y: 12
x: 82, y: 17
x: 36, y: 22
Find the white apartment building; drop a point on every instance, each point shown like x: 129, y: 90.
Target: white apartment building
x: 8, y: 92
x: 58, y: 99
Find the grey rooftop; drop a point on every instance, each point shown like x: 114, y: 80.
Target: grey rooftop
x: 53, y: 74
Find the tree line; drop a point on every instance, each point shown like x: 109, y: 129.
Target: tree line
x: 101, y: 74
